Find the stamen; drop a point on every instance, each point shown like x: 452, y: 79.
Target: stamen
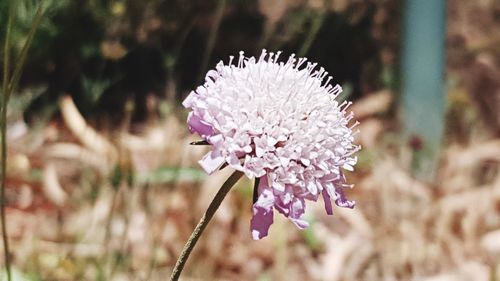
x: 263, y: 55
x: 240, y: 60
x: 354, y: 125
x: 300, y: 62
x: 277, y: 56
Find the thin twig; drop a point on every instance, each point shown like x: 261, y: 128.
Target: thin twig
x: 3, y: 130
x: 316, y: 24
x: 107, y: 261
x: 8, y: 86
x: 16, y: 75
x: 269, y: 29
x: 212, y: 208
x: 212, y: 37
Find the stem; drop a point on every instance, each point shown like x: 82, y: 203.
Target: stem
x: 316, y: 24
x: 269, y: 29
x: 212, y: 37
x: 8, y: 85
x: 16, y: 75
x: 212, y: 208
x: 107, y: 262
x: 3, y: 132
x: 255, y: 195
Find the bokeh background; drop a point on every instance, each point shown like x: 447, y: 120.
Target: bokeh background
x: 102, y: 183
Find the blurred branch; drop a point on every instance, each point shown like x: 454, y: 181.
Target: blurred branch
x: 8, y: 86
x: 83, y: 132
x: 3, y: 121
x: 269, y: 28
x: 75, y: 152
x: 211, y: 38
x: 6, y: 55
x: 52, y: 187
x: 16, y: 75
x: 316, y: 24
x: 376, y: 103
x: 491, y: 44
x: 273, y: 12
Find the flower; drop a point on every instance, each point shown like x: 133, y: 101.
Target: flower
x: 277, y: 122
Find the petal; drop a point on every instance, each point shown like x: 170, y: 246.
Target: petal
x: 209, y: 163
x: 234, y: 162
x: 311, y: 187
x: 262, y: 211
x: 293, y: 210
x: 328, y: 202
x: 212, y: 74
x: 196, y: 124
x: 261, y: 222
x: 190, y: 99
x: 301, y: 224
x: 341, y: 200
x: 297, y: 209
x: 348, y: 167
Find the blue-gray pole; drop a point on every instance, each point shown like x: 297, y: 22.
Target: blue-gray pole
x: 423, y: 95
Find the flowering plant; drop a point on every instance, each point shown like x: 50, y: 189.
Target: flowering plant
x: 277, y: 122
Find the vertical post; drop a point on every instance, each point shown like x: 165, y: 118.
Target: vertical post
x: 423, y: 96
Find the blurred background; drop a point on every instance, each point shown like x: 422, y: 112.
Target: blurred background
x: 102, y: 183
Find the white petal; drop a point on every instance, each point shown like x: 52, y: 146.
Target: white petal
x: 210, y: 164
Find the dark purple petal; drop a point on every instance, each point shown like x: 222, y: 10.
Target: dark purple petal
x: 328, y: 202
x: 297, y: 209
x: 262, y: 211
x: 341, y: 200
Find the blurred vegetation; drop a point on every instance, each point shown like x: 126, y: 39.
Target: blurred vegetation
x: 116, y: 197
x: 105, y: 53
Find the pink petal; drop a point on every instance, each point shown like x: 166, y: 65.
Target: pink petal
x: 297, y: 209
x: 328, y: 202
x: 210, y: 163
x: 262, y: 211
x: 190, y: 100
x: 293, y: 210
x: 195, y: 124
x: 341, y: 200
x: 301, y: 224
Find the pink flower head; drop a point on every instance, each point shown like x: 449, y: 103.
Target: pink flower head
x: 277, y: 122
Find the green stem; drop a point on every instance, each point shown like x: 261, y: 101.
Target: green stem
x: 212, y: 37
x: 212, y: 208
x: 3, y: 132
x: 16, y: 75
x: 9, y: 83
x: 2, y: 198
x: 316, y: 24
x: 6, y: 56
